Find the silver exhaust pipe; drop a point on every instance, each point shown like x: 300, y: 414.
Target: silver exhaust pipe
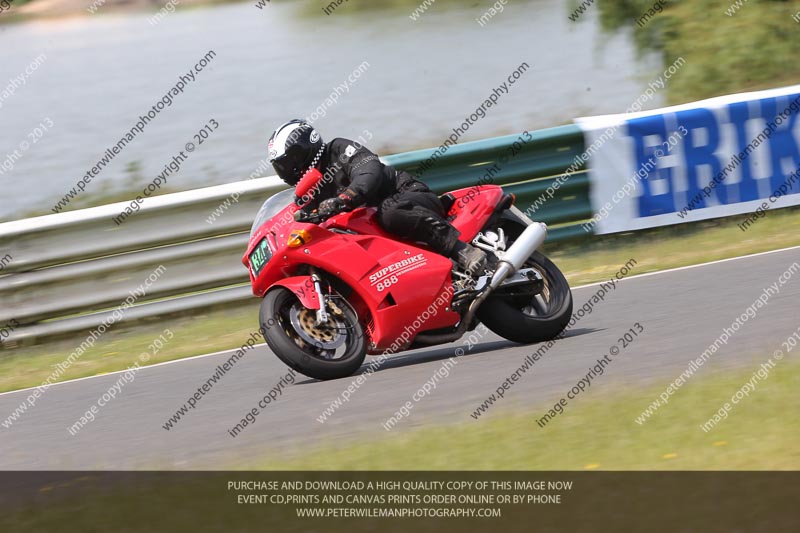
x: 513, y: 259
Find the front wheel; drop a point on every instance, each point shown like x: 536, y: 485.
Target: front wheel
x: 331, y: 350
x: 520, y: 316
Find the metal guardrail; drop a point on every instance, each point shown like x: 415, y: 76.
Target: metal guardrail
x: 527, y: 174
x: 69, y: 271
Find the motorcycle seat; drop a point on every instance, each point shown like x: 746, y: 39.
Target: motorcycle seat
x: 447, y: 200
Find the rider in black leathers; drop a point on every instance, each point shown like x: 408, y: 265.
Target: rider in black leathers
x: 353, y: 176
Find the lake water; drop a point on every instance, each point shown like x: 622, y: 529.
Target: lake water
x: 102, y: 72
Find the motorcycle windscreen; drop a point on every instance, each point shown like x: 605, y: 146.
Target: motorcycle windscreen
x: 274, y: 205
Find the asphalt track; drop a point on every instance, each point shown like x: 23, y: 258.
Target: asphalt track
x: 682, y: 311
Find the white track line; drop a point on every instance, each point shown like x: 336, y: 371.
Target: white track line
x: 192, y: 358
x: 196, y: 357
x: 689, y: 267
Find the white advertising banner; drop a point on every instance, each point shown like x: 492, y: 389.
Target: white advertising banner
x: 718, y: 157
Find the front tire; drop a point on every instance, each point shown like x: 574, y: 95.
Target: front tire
x: 332, y: 350
x: 525, y: 319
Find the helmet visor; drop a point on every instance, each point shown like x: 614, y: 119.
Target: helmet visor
x: 285, y: 169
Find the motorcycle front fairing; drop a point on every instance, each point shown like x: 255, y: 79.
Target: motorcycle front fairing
x: 398, y: 283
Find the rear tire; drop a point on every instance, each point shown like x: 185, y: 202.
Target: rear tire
x: 281, y: 318
x: 525, y: 320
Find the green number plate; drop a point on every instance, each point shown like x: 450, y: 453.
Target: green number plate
x: 260, y: 257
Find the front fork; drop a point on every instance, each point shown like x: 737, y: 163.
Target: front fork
x: 322, y: 312
x: 327, y: 301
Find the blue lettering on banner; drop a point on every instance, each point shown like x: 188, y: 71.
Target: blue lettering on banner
x: 697, y: 155
x: 706, y: 154
x: 739, y: 114
x: 651, y: 203
x: 782, y: 143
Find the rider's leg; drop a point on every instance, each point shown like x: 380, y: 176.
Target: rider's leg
x: 418, y: 215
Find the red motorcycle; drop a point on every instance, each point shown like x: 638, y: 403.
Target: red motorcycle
x: 337, y: 289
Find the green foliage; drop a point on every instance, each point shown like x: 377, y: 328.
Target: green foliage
x: 753, y: 48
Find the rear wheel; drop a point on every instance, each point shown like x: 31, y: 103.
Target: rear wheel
x: 529, y: 314
x: 330, y: 350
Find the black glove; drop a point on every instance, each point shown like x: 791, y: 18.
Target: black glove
x: 334, y: 206
x: 331, y: 206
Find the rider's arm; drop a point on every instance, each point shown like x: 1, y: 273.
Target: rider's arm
x: 365, y: 170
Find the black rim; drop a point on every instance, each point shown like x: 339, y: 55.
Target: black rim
x: 542, y: 300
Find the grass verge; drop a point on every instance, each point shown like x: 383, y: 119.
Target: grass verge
x: 599, y: 257
x: 593, y: 434
x: 599, y: 433
x: 120, y: 347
